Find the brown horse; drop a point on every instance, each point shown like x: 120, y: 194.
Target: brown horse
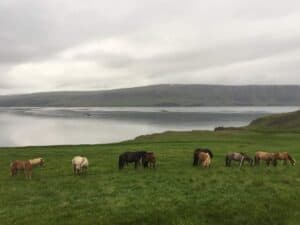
x: 149, y: 158
x: 266, y: 156
x: 238, y: 156
x: 285, y: 156
x: 196, y: 153
x: 204, y: 159
x: 26, y: 166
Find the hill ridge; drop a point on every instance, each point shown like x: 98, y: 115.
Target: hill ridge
x: 164, y: 95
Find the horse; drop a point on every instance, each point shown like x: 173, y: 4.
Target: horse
x: 204, y: 159
x: 131, y: 157
x: 238, y: 156
x: 266, y: 156
x: 196, y: 152
x: 149, y: 157
x: 80, y: 165
x: 26, y: 166
x: 285, y: 156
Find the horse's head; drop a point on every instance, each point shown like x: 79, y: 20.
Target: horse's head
x: 142, y: 154
x: 293, y: 162
x: 248, y: 159
x: 42, y: 162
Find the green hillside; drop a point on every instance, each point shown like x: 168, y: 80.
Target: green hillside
x: 284, y: 121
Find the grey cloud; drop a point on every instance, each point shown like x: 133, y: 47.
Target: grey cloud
x: 202, y: 37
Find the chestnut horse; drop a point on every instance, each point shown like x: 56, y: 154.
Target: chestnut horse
x: 266, y: 156
x: 149, y: 158
x: 285, y: 156
x: 26, y: 166
x: 204, y: 159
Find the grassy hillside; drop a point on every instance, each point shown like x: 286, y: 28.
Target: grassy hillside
x: 165, y: 95
x: 174, y: 193
x: 284, y: 121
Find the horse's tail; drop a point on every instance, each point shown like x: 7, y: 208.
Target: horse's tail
x: 121, y: 162
x: 226, y: 160
x: 196, y: 159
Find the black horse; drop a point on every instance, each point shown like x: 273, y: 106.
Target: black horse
x: 131, y: 157
x: 196, y: 152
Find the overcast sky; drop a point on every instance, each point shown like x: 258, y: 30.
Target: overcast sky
x: 53, y: 45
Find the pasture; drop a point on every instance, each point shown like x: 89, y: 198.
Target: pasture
x: 173, y: 193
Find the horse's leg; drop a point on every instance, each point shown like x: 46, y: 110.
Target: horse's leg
x: 135, y: 164
x: 26, y: 173
x: 242, y: 162
x: 74, y: 170
x: 12, y: 171
x: 256, y: 161
x: 285, y: 162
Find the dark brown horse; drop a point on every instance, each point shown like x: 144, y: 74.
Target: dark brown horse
x: 285, y: 156
x: 131, y: 157
x: 196, y: 156
x: 26, y: 166
x: 149, y: 158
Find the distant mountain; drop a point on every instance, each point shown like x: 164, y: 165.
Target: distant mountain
x: 164, y: 95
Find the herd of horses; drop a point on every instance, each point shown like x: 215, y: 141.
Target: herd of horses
x: 201, y: 157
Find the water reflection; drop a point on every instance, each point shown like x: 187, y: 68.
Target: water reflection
x: 56, y: 126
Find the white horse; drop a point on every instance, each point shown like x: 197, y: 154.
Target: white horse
x: 80, y: 165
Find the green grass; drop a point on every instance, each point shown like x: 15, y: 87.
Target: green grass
x: 174, y: 193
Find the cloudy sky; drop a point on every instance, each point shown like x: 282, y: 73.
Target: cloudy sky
x: 86, y: 45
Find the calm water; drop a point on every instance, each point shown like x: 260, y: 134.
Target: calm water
x: 56, y: 126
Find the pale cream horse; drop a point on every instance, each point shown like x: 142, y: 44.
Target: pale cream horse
x: 204, y: 159
x: 80, y: 165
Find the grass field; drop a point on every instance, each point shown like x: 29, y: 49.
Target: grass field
x: 174, y: 193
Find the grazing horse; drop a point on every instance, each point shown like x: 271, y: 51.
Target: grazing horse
x: 204, y: 159
x: 26, y: 166
x: 149, y: 158
x: 196, y: 152
x: 131, y: 157
x: 238, y: 156
x: 266, y: 156
x: 80, y: 165
x: 285, y: 156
